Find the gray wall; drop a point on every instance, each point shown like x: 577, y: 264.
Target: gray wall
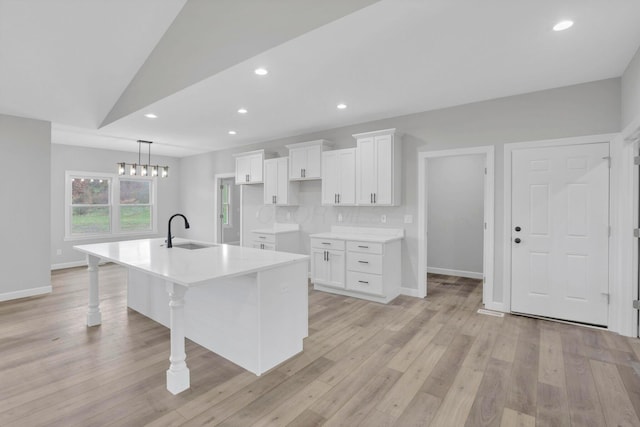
x: 455, y: 213
x: 631, y: 91
x: 590, y: 108
x: 25, y: 146
x: 73, y: 158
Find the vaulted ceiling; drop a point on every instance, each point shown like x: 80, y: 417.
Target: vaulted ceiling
x: 95, y: 67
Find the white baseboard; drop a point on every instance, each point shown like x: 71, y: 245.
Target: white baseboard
x: 495, y: 306
x: 25, y: 293
x: 410, y: 292
x: 458, y: 273
x: 64, y: 265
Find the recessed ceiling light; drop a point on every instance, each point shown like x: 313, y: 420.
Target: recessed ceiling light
x: 151, y: 116
x: 232, y: 132
x: 242, y: 111
x: 563, y: 25
x: 341, y: 106
x: 261, y: 71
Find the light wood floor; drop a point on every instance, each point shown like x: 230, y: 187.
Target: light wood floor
x: 411, y: 363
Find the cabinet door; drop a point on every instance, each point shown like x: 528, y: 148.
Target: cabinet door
x: 313, y: 160
x: 255, y: 168
x: 346, y: 173
x: 297, y: 162
x: 384, y: 166
x: 243, y: 169
x: 282, y: 184
x: 330, y: 170
x: 270, y: 181
x: 336, y: 269
x: 366, y: 171
x: 319, y: 266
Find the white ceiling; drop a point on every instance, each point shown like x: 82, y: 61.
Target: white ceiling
x: 391, y: 58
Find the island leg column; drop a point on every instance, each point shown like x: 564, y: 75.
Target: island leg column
x: 94, y: 317
x: 178, y: 373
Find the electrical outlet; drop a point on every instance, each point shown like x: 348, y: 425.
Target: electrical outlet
x: 339, y: 217
x: 383, y: 219
x: 408, y: 219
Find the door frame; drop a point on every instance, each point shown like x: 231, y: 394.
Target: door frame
x: 508, y: 151
x: 217, y: 179
x: 489, y: 194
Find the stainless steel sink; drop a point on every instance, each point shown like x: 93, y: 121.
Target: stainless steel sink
x: 192, y: 246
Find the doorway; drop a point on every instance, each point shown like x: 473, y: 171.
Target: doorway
x: 486, y: 153
x: 560, y: 232
x: 228, y: 210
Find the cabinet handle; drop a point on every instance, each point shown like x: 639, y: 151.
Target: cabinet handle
x: 371, y: 197
x: 362, y: 281
x: 338, y: 198
x: 374, y: 198
x: 327, y: 255
x: 326, y: 243
x: 246, y: 178
x: 261, y: 237
x: 363, y: 247
x: 335, y: 198
x: 363, y: 262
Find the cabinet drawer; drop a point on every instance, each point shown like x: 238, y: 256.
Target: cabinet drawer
x: 264, y: 238
x: 365, y: 263
x: 327, y: 244
x: 265, y: 246
x: 365, y: 247
x: 363, y: 282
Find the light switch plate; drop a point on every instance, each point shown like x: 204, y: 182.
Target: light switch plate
x: 408, y: 219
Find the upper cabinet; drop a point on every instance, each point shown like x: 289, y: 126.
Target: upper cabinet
x: 339, y: 177
x: 305, y: 159
x: 378, y: 179
x: 277, y: 188
x: 249, y: 167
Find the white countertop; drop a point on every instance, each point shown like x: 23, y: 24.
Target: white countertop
x: 278, y: 228
x: 363, y: 234
x: 189, y: 267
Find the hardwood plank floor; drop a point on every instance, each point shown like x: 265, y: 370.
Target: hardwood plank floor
x: 413, y: 362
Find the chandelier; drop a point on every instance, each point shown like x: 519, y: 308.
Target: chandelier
x: 141, y: 169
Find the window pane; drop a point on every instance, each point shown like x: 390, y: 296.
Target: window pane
x: 225, y: 193
x: 86, y: 220
x: 86, y: 191
x: 134, y: 192
x: 135, y: 218
x: 225, y: 214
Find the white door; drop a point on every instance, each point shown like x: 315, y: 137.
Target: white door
x: 243, y: 169
x: 312, y: 168
x: 384, y: 179
x: 559, y: 232
x: 282, y: 194
x: 255, y: 173
x: 298, y: 162
x: 347, y: 174
x: 329, y: 177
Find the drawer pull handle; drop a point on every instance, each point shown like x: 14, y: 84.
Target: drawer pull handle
x: 261, y: 237
x: 362, y: 281
x: 363, y: 247
x: 326, y: 243
x: 363, y: 262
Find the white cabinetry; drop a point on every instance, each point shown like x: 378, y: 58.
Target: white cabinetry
x: 249, y: 167
x: 358, y: 262
x: 281, y: 237
x: 305, y: 159
x: 339, y: 177
x: 277, y: 188
x: 378, y: 179
x: 327, y: 262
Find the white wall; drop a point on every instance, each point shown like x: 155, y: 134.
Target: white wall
x: 455, y: 214
x: 24, y: 186
x: 74, y: 158
x: 590, y: 108
x: 631, y: 91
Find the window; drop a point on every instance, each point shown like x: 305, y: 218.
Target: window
x: 226, y: 204
x: 107, y: 205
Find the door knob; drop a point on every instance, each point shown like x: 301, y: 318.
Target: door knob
x: 518, y: 228
x: 517, y: 240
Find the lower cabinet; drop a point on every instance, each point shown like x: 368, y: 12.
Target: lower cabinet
x: 282, y: 242
x: 357, y: 268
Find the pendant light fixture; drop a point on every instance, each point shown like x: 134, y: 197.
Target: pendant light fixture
x: 141, y: 169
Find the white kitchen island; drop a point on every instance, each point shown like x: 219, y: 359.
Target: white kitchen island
x: 247, y: 305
